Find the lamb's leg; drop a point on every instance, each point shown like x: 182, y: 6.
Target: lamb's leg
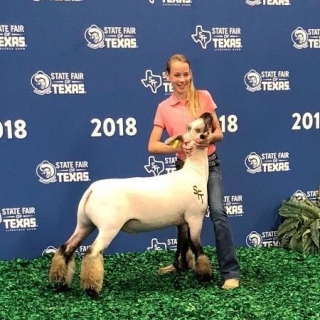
x: 63, y: 262
x: 202, y: 265
x: 92, y: 268
x: 184, y: 258
x: 181, y: 260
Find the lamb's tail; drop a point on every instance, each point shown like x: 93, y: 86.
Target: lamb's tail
x: 83, y: 201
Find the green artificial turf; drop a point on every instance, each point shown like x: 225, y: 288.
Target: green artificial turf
x: 275, y: 284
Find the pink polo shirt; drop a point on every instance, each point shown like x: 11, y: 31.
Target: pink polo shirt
x: 173, y: 115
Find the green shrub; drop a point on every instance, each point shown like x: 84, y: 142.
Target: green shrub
x: 300, y: 229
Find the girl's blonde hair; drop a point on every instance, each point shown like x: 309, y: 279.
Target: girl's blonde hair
x: 192, y: 94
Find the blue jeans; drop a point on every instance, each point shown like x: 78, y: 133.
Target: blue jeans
x: 227, y: 261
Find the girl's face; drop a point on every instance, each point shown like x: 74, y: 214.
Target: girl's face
x: 180, y: 77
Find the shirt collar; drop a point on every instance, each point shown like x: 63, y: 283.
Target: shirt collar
x: 174, y: 101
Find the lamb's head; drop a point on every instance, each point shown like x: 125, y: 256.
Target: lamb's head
x: 199, y: 128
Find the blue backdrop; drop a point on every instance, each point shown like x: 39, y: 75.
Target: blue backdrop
x: 80, y: 82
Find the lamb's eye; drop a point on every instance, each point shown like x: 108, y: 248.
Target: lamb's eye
x: 188, y: 128
x: 198, y: 131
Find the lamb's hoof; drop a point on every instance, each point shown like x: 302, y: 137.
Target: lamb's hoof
x: 61, y: 287
x: 167, y: 269
x: 230, y: 284
x: 206, y: 277
x: 93, y: 294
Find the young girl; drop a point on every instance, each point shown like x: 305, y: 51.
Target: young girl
x: 173, y: 114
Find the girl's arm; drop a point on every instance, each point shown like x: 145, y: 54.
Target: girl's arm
x: 155, y: 145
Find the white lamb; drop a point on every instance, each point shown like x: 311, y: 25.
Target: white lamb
x: 141, y: 204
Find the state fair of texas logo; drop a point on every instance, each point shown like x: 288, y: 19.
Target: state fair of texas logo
x: 202, y: 37
x: 222, y: 38
x: 154, y: 82
x: 154, y: 166
x: 157, y: 167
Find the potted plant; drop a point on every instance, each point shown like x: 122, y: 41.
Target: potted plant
x: 300, y: 227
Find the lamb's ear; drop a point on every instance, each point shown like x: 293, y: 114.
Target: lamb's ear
x: 208, y: 121
x: 174, y: 140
